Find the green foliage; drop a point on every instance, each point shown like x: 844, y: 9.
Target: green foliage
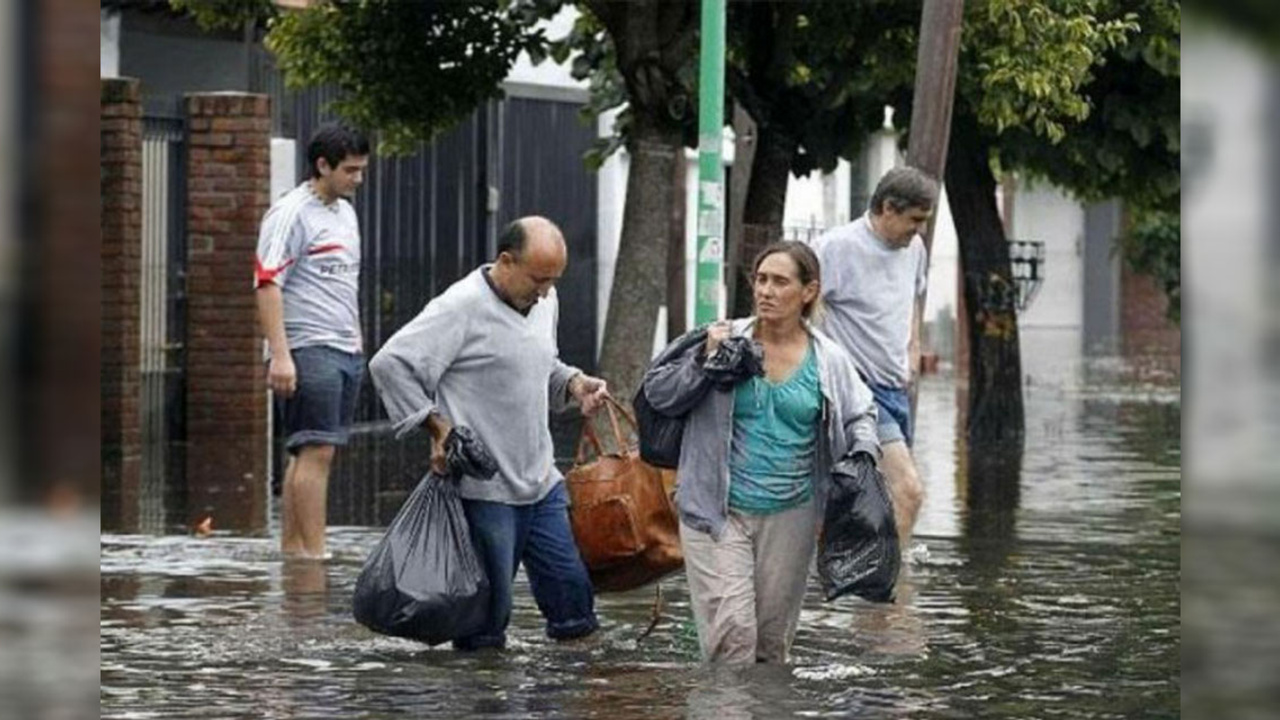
x: 407, y: 70
x: 1129, y: 144
x: 226, y: 14
x: 819, y: 72
x: 595, y: 61
x: 1031, y: 58
x: 1153, y: 247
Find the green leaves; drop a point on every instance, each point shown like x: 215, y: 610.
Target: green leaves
x: 226, y: 14
x: 1127, y: 145
x: 407, y: 70
x: 1032, y: 57
x: 1153, y: 247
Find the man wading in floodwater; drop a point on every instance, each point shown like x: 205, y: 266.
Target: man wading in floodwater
x: 874, y: 273
x: 483, y: 355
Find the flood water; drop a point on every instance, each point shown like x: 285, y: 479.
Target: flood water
x: 1044, y: 586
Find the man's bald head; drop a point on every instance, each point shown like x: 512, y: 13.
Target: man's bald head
x: 532, y: 233
x: 531, y: 256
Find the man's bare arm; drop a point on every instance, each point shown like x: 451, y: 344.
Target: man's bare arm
x: 282, y: 376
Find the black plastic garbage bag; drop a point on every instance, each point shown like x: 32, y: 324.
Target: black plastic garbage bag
x: 859, y: 552
x: 424, y: 580
x: 736, y: 359
x: 465, y: 454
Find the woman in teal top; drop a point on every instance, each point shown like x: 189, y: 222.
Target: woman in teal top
x: 755, y: 461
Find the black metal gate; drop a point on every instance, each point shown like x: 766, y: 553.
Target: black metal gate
x: 429, y: 219
x: 162, y: 327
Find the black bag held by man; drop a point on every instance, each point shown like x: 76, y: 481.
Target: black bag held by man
x: 424, y: 580
x: 859, y: 553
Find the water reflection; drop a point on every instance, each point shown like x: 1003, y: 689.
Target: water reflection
x: 992, y: 479
x: 306, y: 589
x: 1043, y: 582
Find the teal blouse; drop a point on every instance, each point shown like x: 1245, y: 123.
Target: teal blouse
x: 775, y: 434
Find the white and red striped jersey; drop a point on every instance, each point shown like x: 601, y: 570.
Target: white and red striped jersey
x: 312, y: 251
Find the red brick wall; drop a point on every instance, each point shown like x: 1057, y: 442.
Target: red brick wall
x: 228, y: 186
x: 121, y: 155
x: 1147, y: 335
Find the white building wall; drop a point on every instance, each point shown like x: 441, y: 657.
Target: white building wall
x: 611, y: 193
x: 109, y: 44
x: 284, y: 166
x: 818, y: 200
x: 1051, y: 327
x: 944, y: 266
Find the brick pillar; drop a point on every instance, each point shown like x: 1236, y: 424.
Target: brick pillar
x: 1148, y: 337
x: 228, y: 185
x: 121, y: 154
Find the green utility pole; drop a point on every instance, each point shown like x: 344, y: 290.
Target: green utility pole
x: 711, y: 200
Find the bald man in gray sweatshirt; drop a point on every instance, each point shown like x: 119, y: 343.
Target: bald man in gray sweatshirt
x: 483, y: 355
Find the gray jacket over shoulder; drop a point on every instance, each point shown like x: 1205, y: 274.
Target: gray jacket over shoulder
x: 702, y: 479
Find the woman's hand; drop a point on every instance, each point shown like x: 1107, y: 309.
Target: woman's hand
x: 716, y: 334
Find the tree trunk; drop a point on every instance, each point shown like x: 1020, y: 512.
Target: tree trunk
x: 765, y: 206
x: 676, y: 295
x: 640, y: 273
x: 744, y: 151
x: 995, y: 367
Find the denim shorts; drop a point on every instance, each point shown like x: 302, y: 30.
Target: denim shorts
x: 893, y: 407
x: 321, y: 410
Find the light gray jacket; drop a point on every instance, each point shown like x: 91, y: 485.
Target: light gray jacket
x: 702, y: 477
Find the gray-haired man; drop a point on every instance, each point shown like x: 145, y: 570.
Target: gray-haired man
x: 874, y: 274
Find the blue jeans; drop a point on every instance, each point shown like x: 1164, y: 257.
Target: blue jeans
x: 539, y: 536
x: 893, y: 407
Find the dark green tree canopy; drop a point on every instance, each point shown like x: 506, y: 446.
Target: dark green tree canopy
x: 407, y: 70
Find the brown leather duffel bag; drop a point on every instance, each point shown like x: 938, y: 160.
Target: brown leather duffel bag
x: 621, y: 510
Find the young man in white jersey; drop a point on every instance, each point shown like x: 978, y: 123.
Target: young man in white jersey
x: 307, y: 289
x: 874, y: 274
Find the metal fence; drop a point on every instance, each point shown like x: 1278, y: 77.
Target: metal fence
x: 162, y: 320
x: 427, y: 220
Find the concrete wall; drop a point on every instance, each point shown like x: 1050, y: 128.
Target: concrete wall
x: 1101, y: 281
x: 1051, y: 327
x: 171, y: 57
x: 109, y: 44
x: 820, y: 199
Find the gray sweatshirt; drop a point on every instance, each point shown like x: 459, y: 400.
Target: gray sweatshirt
x: 702, y: 477
x: 478, y: 362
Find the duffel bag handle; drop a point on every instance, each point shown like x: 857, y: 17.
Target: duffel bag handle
x: 589, y: 436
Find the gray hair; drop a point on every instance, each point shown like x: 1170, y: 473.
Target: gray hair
x: 903, y: 188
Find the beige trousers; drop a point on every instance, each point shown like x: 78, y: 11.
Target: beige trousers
x: 746, y: 589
